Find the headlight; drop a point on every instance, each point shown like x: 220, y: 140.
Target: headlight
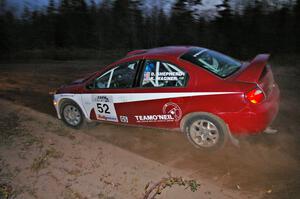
x: 52, y: 92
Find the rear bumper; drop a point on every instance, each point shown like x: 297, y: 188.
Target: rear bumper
x: 255, y: 118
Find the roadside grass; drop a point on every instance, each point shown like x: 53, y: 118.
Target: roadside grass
x: 7, y: 174
x: 11, y: 131
x: 58, y: 129
x: 72, y: 172
x: 6, y: 191
x: 71, y: 194
x: 9, y: 128
x: 152, y: 191
x: 42, y: 161
x: 32, y: 140
x: 102, y: 196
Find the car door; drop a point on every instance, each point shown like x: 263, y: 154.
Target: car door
x: 105, y: 97
x: 158, y: 99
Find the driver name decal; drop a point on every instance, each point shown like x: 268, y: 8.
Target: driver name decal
x: 164, y: 76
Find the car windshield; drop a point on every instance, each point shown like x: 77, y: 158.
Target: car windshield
x: 215, y: 62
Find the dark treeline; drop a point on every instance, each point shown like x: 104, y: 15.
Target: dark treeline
x: 121, y: 24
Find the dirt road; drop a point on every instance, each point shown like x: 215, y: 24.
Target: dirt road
x: 265, y: 166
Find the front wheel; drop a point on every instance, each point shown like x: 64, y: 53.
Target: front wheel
x: 71, y: 114
x: 206, y: 131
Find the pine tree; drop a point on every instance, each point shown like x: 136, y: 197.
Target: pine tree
x: 8, y: 31
x: 224, y: 26
x: 182, y: 30
x: 26, y: 16
x: 50, y: 24
x: 51, y: 8
x: 121, y: 23
x: 296, y: 24
x: 64, y: 6
x: 104, y: 25
x: 136, y: 23
x: 2, y: 6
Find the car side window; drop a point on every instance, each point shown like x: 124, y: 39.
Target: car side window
x: 163, y: 74
x: 121, y: 76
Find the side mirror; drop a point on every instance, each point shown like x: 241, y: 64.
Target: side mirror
x: 90, y: 85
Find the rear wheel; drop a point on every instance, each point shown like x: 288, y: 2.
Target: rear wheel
x: 71, y: 114
x: 206, y: 131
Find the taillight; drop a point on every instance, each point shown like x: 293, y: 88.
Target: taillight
x: 255, y: 96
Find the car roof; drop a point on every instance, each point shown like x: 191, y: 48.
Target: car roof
x: 174, y: 51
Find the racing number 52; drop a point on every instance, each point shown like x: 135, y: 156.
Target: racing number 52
x: 103, y: 108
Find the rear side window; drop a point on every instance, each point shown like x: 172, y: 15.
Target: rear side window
x: 217, y: 63
x: 163, y: 74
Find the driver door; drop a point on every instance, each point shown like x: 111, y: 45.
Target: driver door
x: 101, y: 100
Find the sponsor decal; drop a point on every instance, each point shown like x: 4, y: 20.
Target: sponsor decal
x: 101, y: 98
x: 106, y: 118
x: 173, y: 109
x: 154, y: 118
x: 123, y: 119
x: 171, y: 113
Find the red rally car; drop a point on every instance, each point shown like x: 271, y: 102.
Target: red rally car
x: 205, y: 94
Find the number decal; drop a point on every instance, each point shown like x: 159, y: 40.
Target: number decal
x: 99, y: 107
x: 107, y: 108
x: 104, y: 107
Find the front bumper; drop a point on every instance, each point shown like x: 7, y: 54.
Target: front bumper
x: 56, y: 105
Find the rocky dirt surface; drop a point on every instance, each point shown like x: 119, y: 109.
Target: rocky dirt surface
x: 41, y: 158
x: 264, y: 166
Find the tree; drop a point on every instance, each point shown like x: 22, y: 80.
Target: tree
x: 51, y: 9
x: 126, y: 20
x: 296, y: 24
x: 104, y: 25
x: 182, y: 29
x: 8, y: 32
x: 223, y: 33
x: 123, y: 24
x: 136, y: 23
x: 74, y: 25
x: 2, y: 6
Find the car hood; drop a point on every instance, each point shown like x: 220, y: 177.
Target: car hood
x: 75, y: 86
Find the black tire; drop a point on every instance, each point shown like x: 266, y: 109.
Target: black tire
x: 221, y: 127
x: 68, y: 104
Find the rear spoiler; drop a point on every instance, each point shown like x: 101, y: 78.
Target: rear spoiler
x: 135, y: 52
x: 254, y: 69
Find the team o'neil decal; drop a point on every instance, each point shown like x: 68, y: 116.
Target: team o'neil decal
x: 171, y: 112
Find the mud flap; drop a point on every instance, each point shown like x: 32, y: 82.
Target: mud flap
x: 270, y: 130
x: 233, y: 139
